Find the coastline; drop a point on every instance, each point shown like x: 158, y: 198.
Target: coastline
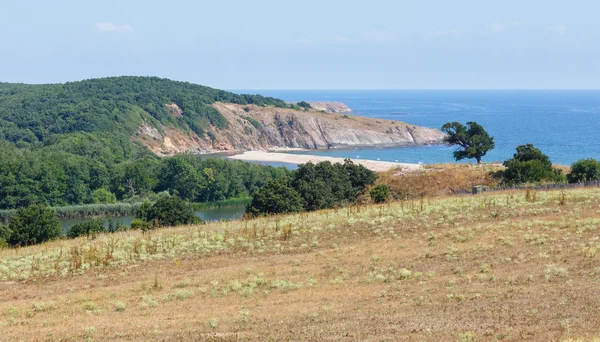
x: 373, y: 165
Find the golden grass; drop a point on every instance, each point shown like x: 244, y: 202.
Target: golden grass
x: 441, y: 179
x: 491, y: 267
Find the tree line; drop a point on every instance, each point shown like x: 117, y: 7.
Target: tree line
x: 528, y: 165
x: 55, y: 178
x: 313, y: 187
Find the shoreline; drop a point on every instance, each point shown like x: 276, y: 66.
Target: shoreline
x: 373, y: 165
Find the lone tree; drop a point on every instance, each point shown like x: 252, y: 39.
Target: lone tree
x: 473, y: 142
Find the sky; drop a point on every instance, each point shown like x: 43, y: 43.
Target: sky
x: 308, y: 44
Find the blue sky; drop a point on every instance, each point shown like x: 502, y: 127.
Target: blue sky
x: 325, y: 44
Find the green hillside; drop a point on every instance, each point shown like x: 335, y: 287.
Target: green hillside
x: 42, y: 114
x: 59, y: 143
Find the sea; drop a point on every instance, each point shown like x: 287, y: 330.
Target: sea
x: 564, y: 124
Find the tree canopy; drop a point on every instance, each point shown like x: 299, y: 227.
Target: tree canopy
x: 584, y: 170
x: 70, y: 144
x: 32, y: 225
x: 473, y: 141
x: 318, y: 186
x: 530, y: 165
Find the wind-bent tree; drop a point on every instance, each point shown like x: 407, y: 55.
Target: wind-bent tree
x: 473, y: 142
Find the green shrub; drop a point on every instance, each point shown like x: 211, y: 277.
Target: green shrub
x: 277, y: 197
x: 139, y: 224
x: 103, y: 196
x: 5, y: 232
x: 88, y: 228
x: 34, y: 224
x: 304, y: 105
x: 380, y: 193
x: 143, y: 212
x: 172, y: 211
x: 253, y: 122
x: 326, y: 185
x: 584, y: 170
x: 530, y: 165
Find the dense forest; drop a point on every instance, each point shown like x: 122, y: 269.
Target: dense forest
x: 68, y: 144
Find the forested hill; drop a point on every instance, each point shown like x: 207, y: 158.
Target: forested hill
x: 70, y: 144
x: 98, y: 140
x: 117, y: 106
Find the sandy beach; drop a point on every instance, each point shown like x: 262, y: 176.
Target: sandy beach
x: 374, y: 165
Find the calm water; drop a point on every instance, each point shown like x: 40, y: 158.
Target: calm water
x: 214, y: 214
x: 564, y: 124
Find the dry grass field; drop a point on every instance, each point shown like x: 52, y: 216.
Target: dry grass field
x: 439, y: 179
x: 505, y: 266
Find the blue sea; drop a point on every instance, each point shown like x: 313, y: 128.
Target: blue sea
x: 564, y: 124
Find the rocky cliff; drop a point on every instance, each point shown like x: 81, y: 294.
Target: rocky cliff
x: 330, y: 107
x: 254, y: 127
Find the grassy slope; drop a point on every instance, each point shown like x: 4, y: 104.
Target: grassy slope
x: 496, y: 266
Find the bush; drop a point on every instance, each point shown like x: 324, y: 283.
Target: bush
x: 277, y: 197
x: 5, y: 232
x: 34, y: 224
x: 530, y: 165
x: 88, y: 228
x: 172, y: 211
x: 318, y: 186
x: 139, y: 224
x: 326, y: 185
x: 304, y: 105
x: 4, y: 236
x: 143, y: 212
x: 380, y: 193
x: 103, y: 196
x: 584, y: 170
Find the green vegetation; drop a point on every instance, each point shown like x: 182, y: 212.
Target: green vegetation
x: 70, y: 144
x: 584, y: 170
x: 277, y: 197
x: 167, y: 211
x: 319, y: 186
x: 530, y: 165
x: 35, y: 177
x: 304, y: 104
x: 254, y: 122
x: 101, y: 196
x: 380, y: 193
x: 473, y: 142
x: 32, y: 225
x: 87, y: 228
x: 48, y: 114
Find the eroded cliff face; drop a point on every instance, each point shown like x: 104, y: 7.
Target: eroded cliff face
x: 331, y: 107
x: 252, y: 127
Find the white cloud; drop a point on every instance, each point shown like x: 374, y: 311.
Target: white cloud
x: 111, y: 27
x: 442, y: 34
x: 340, y: 38
x: 560, y: 29
x: 379, y: 36
x: 498, y: 26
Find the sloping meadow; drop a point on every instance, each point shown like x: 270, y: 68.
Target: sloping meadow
x: 509, y: 265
